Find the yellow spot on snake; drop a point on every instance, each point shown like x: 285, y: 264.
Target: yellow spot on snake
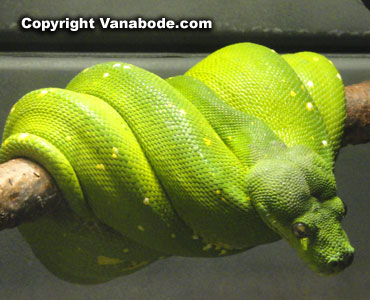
x: 339, y: 77
x: 13, y: 108
x: 106, y: 75
x: 116, y: 65
x: 309, y: 106
x: 114, y: 152
x: 207, y: 247
x: 208, y: 142
x: 195, y: 237
x: 229, y: 138
x: 330, y: 62
x: 173, y: 235
x: 283, y: 80
x: 169, y: 104
x: 68, y: 138
x: 304, y: 243
x: 310, y: 83
x: 141, y: 228
x: 302, y: 87
x: 312, y: 138
x: 85, y: 70
x: 252, y: 123
x: 324, y: 143
x: 146, y: 201
x: 22, y: 136
x: 100, y: 167
x: 248, y: 198
x: 104, y: 260
x: 223, y: 252
x: 42, y: 93
x: 293, y: 93
x: 126, y: 250
x: 315, y: 58
x: 218, y: 192
x: 183, y: 112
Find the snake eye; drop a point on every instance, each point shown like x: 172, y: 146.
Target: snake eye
x: 300, y: 230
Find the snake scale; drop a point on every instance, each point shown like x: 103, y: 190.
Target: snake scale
x: 237, y: 152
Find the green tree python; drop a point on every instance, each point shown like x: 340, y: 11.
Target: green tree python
x: 236, y: 153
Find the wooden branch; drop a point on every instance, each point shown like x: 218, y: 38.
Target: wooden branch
x: 357, y: 126
x: 27, y: 190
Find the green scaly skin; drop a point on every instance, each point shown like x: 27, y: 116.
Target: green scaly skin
x: 231, y: 155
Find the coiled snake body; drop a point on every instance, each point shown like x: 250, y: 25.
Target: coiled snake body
x: 237, y: 152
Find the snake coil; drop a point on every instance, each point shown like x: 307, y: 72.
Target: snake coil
x: 210, y: 163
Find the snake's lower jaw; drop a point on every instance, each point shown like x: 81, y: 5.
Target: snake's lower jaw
x: 346, y: 261
x: 333, y: 267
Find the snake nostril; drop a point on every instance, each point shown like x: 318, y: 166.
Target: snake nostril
x: 348, y: 259
x: 334, y: 264
x: 343, y: 263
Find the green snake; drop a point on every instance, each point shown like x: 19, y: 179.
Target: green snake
x: 236, y: 153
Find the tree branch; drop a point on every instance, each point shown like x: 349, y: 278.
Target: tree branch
x: 357, y: 126
x: 26, y: 192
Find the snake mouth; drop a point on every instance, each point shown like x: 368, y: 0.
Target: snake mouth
x: 334, y: 266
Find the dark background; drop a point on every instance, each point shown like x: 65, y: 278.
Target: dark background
x: 337, y: 28
x: 326, y: 25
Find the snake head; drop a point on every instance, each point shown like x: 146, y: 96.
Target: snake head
x: 295, y: 195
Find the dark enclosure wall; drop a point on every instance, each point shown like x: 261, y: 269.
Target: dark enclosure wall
x: 330, y: 25
x: 339, y: 29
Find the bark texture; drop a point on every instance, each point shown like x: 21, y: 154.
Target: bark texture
x: 357, y: 126
x: 26, y: 191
